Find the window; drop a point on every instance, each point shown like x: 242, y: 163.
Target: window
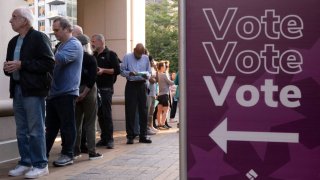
x: 41, y: 26
x: 41, y: 11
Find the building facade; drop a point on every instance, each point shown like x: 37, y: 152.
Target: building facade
x: 122, y: 22
x: 45, y: 11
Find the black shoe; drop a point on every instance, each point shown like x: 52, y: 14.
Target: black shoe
x: 110, y: 145
x: 101, y: 143
x: 167, y: 126
x: 145, y: 140
x: 129, y: 141
x: 94, y: 156
x: 164, y: 127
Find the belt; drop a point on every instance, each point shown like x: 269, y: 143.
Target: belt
x: 140, y: 81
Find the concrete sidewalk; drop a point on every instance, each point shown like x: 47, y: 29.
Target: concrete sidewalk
x: 159, y: 160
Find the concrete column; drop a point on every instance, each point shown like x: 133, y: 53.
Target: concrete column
x: 122, y: 22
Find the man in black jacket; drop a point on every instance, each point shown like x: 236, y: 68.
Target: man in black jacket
x: 29, y: 62
x: 108, y: 69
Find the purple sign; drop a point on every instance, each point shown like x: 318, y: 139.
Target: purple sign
x: 253, y: 89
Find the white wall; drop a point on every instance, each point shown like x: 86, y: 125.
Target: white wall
x: 6, y: 34
x: 8, y: 146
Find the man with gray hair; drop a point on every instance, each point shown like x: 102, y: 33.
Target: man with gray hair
x: 28, y: 63
x: 76, y: 32
x: 108, y: 69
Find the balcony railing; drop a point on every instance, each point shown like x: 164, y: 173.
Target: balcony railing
x: 56, y: 2
x: 53, y: 14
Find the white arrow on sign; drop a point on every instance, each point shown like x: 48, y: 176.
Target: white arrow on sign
x: 221, y: 135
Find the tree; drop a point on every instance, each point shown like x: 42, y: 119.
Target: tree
x: 162, y: 31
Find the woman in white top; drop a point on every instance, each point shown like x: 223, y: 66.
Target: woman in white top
x: 163, y: 97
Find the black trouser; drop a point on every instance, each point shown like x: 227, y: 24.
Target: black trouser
x: 173, y: 109
x: 136, y: 96
x: 105, y: 115
x: 60, y: 115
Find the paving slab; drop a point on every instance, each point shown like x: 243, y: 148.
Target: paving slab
x: 158, y: 160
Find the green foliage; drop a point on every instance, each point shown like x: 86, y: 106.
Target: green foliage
x: 162, y: 31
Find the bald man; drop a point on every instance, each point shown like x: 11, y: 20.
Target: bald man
x: 77, y: 30
x: 136, y: 69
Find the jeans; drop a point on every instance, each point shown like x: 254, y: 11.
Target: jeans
x: 29, y: 115
x: 105, y: 115
x: 151, y: 107
x: 61, y: 115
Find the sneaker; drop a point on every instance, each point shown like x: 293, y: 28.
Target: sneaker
x: 63, y: 160
x: 150, y: 132
x: 76, y: 156
x: 36, y: 172
x: 136, y: 136
x: 110, y: 145
x: 154, y: 129
x: 167, y: 126
x: 101, y: 143
x: 95, y: 156
x: 164, y: 127
x: 19, y: 170
x: 172, y: 120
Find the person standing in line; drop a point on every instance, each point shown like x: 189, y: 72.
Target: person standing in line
x: 77, y: 31
x: 136, y: 68
x: 163, y: 97
x: 173, y: 91
x: 64, y: 90
x: 108, y: 69
x: 177, y: 95
x: 86, y: 106
x: 28, y: 63
x: 151, y: 96
x: 167, y: 65
x: 137, y: 121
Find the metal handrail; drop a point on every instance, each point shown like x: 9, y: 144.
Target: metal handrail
x: 6, y: 108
